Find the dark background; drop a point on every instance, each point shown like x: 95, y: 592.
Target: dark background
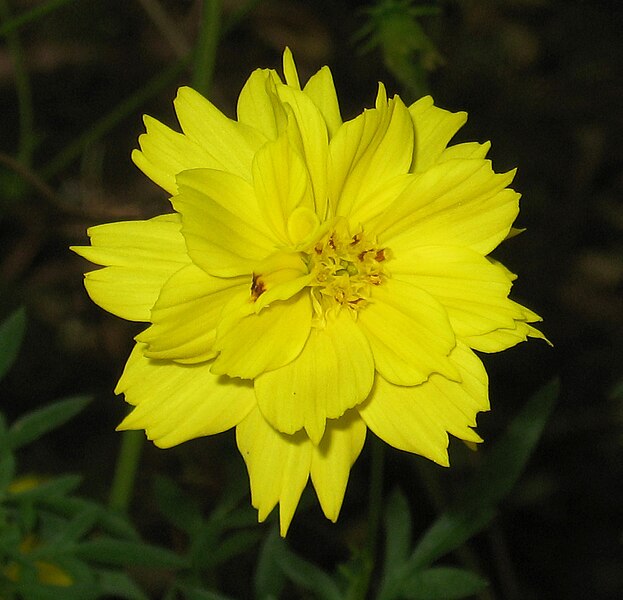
x: 541, y: 79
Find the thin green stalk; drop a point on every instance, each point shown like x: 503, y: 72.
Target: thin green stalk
x: 166, y: 26
x: 23, y: 90
x: 114, y: 117
x: 375, y: 507
x: 33, y: 14
x: 125, y: 470
x: 207, y: 44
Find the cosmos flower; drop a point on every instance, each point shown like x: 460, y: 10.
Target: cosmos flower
x: 316, y: 278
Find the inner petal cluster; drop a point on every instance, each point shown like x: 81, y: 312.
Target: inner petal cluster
x: 345, y: 268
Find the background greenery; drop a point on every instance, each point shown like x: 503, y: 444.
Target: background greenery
x: 539, y: 78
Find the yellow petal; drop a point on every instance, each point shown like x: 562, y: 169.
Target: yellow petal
x: 473, y: 291
x: 230, y: 144
x: 455, y: 203
x: 417, y: 418
x: 434, y: 128
x: 175, y: 403
x: 333, y: 373
x: 139, y: 257
x: 368, y: 152
x: 278, y: 466
x: 164, y: 153
x: 186, y: 314
x: 465, y: 150
x: 307, y: 132
x: 333, y: 458
x: 258, y: 105
x: 281, y: 183
x: 371, y: 205
x: 321, y: 89
x: 221, y: 222
x: 289, y: 69
x: 265, y: 341
x: 501, y: 339
x: 409, y: 333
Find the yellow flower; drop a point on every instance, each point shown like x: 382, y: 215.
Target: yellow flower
x: 316, y: 278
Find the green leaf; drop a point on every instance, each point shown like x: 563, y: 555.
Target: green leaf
x: 195, y: 593
x: 507, y: 459
x: 109, y: 551
x: 448, y: 532
x: 109, y: 520
x: 496, y: 477
x: 397, y: 530
x: 269, y: 579
x: 118, y: 584
x: 35, y: 591
x: 34, y: 424
x: 7, y: 471
x: 498, y: 474
x: 234, y: 544
x: 176, y: 506
x: 11, y: 334
x: 443, y: 583
x: 307, y: 575
x: 82, y: 523
x: 59, y: 486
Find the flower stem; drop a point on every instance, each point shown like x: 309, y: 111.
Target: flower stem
x: 207, y: 43
x: 125, y: 471
x: 127, y: 107
x: 23, y: 90
x: 374, y: 520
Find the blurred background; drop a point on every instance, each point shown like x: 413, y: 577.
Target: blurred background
x: 541, y: 79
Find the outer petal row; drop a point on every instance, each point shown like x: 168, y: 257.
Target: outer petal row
x: 434, y: 128
x: 279, y: 465
x: 333, y: 373
x: 175, y: 403
x: 210, y: 140
x: 186, y: 314
x: 139, y: 257
x: 456, y: 203
x: 417, y: 418
x: 473, y: 291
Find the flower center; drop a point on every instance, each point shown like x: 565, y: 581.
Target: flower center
x: 346, y: 268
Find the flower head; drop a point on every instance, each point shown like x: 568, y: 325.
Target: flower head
x: 316, y: 278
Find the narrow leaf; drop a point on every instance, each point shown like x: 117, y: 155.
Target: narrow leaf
x: 117, y: 584
x: 179, y: 509
x: 397, y: 530
x: 34, y: 424
x: 109, y: 551
x: 307, y: 575
x: 11, y: 335
x: 443, y: 583
x: 269, y: 579
x: 448, y: 532
x: 496, y: 477
x: 59, y: 486
x: 507, y: 459
x: 194, y: 593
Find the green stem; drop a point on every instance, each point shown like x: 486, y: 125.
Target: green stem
x: 374, y: 520
x: 118, y: 114
x: 23, y: 90
x: 35, y: 13
x: 207, y: 44
x: 125, y: 471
